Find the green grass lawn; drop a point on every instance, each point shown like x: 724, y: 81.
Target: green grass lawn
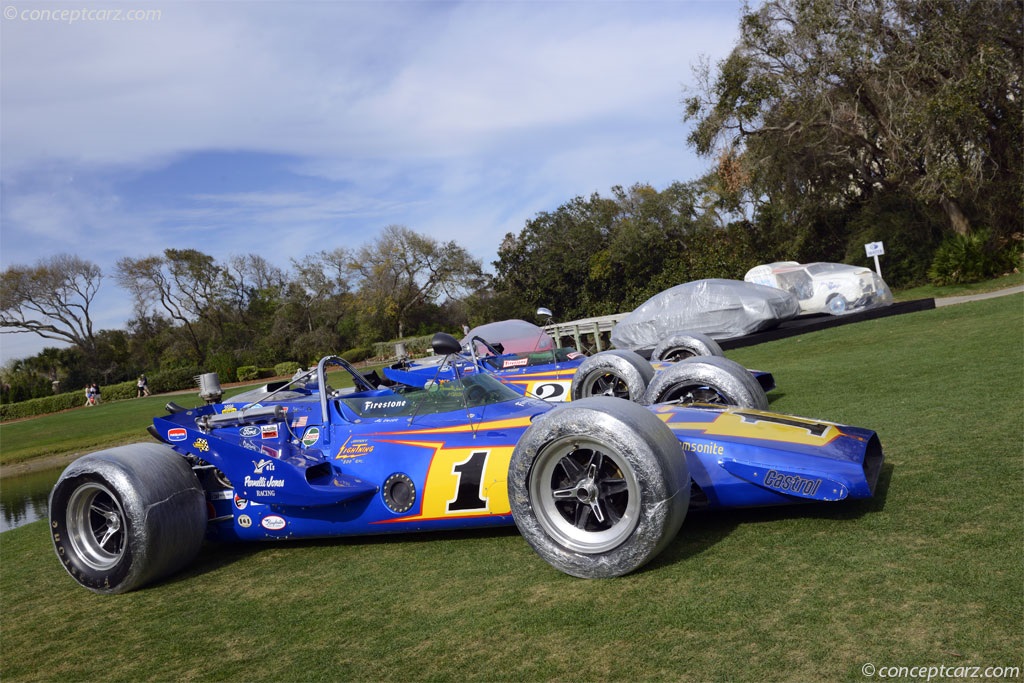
x: 929, y: 573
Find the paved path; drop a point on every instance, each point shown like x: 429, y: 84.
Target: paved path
x: 949, y: 301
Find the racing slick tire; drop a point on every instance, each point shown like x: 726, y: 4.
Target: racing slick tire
x: 619, y: 373
x: 124, y: 517
x: 598, y: 487
x: 707, y: 379
x: 684, y: 345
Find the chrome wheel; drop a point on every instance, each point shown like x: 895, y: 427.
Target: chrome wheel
x: 586, y: 496
x: 695, y: 393
x: 608, y: 384
x: 96, y: 526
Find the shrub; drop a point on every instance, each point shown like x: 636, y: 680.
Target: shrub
x: 173, y: 379
x: 358, y: 354
x: 972, y: 258
x: 247, y: 373
x: 287, y: 368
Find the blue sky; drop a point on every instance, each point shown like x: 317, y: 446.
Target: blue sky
x: 285, y: 128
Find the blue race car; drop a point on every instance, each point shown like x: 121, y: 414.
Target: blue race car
x: 597, y: 487
x: 688, y: 368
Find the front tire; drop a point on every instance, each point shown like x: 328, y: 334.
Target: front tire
x: 707, y: 379
x: 619, y: 373
x: 598, y: 487
x: 126, y: 516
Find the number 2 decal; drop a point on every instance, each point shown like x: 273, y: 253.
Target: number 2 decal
x: 550, y: 391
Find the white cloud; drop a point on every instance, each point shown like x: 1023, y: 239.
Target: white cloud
x: 460, y: 120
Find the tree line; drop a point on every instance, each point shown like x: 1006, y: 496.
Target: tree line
x: 831, y: 123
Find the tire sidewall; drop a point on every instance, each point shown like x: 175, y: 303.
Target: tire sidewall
x: 695, y: 343
x: 164, y: 514
x: 103, y: 582
x: 724, y: 375
x: 640, y: 442
x: 628, y: 366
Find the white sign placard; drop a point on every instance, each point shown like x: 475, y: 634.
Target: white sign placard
x: 874, y: 249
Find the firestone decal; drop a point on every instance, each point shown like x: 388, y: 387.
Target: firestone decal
x: 378, y: 405
x: 516, y: 363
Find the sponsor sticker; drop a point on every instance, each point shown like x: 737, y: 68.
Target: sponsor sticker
x: 258, y: 467
x: 244, y: 521
x: 354, y: 449
x: 515, y: 363
x: 177, y: 434
x: 249, y: 430
x: 273, y: 523
x: 268, y: 431
x: 201, y: 445
x: 311, y: 436
x: 240, y: 503
x: 300, y: 421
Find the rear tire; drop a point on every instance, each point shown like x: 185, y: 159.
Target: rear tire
x: 598, y: 487
x: 707, y: 379
x: 619, y: 373
x: 127, y: 516
x: 685, y: 345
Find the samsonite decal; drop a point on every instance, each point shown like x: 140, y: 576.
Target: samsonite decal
x: 177, y: 434
x: 268, y: 431
x: 273, y: 523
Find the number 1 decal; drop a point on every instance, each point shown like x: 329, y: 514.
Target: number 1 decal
x: 469, y: 494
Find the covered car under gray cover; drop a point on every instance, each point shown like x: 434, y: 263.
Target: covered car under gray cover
x: 721, y: 309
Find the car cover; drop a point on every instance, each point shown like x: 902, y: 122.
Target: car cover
x: 721, y: 309
x: 515, y: 336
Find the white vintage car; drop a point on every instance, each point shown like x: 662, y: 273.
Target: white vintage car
x: 835, y: 288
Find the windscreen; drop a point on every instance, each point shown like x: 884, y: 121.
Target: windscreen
x: 442, y: 397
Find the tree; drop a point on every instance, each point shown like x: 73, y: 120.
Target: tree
x: 600, y: 255
x: 52, y: 299
x: 826, y: 102
x: 185, y: 283
x: 402, y: 270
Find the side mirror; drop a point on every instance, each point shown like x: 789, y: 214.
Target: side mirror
x: 546, y: 312
x: 445, y: 344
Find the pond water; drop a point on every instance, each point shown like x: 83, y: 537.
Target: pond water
x: 23, y: 498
